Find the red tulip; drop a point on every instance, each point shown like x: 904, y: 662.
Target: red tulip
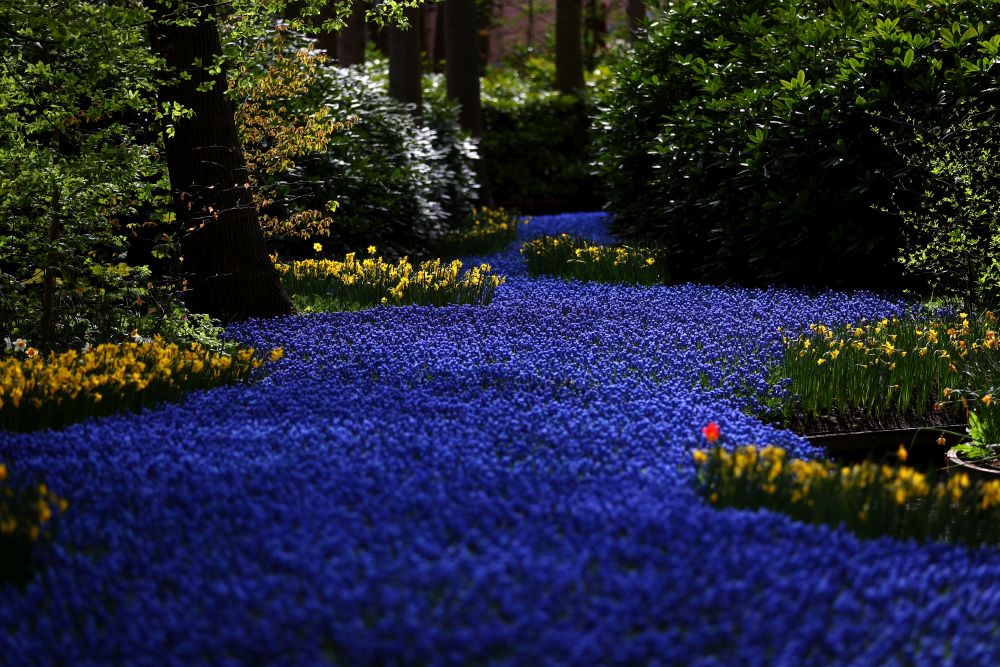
x: 711, y: 432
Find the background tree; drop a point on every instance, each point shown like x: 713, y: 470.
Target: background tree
x: 462, y: 63
x: 462, y: 72
x: 353, y: 37
x: 569, y: 46
x: 228, y: 274
x: 404, y: 60
x: 635, y: 10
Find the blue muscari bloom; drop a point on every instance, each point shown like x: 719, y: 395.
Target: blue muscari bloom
x: 467, y: 485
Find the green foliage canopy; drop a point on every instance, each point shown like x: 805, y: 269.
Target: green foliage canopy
x: 81, y: 151
x: 741, y: 135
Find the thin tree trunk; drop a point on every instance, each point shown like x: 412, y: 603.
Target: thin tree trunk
x: 328, y: 40
x: 49, y: 280
x: 439, y: 48
x: 227, y: 270
x: 353, y: 37
x: 636, y: 11
x: 404, y: 61
x: 569, y: 46
x: 462, y: 63
x: 531, y: 23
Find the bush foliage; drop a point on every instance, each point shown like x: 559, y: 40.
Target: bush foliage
x: 536, y: 141
x: 950, y: 227
x: 744, y: 135
x: 399, y: 184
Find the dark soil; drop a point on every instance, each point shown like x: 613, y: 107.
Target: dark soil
x: 850, y: 437
x: 858, y: 421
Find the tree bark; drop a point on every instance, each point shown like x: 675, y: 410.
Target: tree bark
x: 353, y: 37
x: 569, y: 46
x: 328, y: 40
x: 636, y: 11
x: 404, y: 61
x: 462, y: 63
x: 227, y: 271
x: 437, y: 49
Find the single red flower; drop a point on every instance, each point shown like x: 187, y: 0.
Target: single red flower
x: 711, y: 432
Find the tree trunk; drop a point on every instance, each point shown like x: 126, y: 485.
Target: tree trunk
x: 636, y: 11
x: 404, y: 61
x: 227, y: 271
x: 462, y: 63
x: 353, y: 37
x: 569, y: 46
x: 328, y: 40
x: 530, y: 37
x: 437, y: 56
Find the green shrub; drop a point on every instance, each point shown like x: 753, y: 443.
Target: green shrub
x: 536, y: 142
x: 400, y: 184
x: 81, y: 176
x: 743, y: 135
x: 951, y: 230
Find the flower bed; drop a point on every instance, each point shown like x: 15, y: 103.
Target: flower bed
x: 465, y: 485
x: 353, y: 284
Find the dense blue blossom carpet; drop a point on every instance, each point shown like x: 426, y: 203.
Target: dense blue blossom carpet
x: 463, y: 485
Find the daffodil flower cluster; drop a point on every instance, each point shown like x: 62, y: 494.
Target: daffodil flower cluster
x: 489, y: 230
x: 893, y: 365
x: 51, y: 391
x: 868, y: 498
x: 574, y: 257
x: 26, y: 515
x: 358, y: 283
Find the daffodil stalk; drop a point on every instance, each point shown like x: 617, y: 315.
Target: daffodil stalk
x: 372, y: 281
x: 51, y: 391
x: 574, y: 257
x: 870, y: 499
x: 26, y: 516
x: 489, y: 230
x: 897, y: 365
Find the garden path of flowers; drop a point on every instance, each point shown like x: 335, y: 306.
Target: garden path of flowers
x: 465, y: 485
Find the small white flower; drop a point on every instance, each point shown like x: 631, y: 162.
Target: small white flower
x: 7, y: 345
x: 20, y: 345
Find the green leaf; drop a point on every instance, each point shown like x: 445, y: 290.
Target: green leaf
x: 975, y: 428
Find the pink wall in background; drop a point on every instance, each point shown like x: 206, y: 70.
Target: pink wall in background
x: 518, y: 23
x: 512, y: 25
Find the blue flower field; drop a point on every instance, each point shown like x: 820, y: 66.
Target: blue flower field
x: 465, y: 485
